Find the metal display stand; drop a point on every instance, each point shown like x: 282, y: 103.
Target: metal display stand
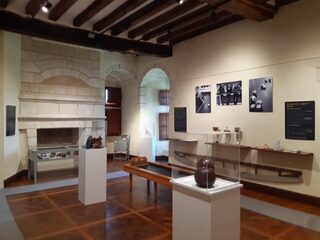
x: 45, y: 154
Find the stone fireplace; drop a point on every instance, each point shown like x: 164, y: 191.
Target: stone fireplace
x: 62, y: 94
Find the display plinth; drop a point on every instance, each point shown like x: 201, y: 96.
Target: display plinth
x: 92, y: 176
x: 206, y: 214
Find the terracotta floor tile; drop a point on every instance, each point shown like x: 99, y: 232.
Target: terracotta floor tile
x: 160, y: 214
x: 23, y: 195
x: 135, y: 200
x: 71, y: 235
x: 30, y: 205
x: 125, y: 228
x: 257, y: 221
x: 40, y: 224
x: 82, y: 214
x: 247, y: 234
x: 299, y: 233
x: 63, y: 199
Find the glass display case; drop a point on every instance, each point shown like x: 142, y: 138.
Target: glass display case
x: 43, y: 154
x: 212, y: 161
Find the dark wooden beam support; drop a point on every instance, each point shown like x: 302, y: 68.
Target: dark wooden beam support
x: 4, y: 3
x: 118, y: 13
x: 30, y: 26
x: 140, y: 15
x: 165, y: 17
x: 60, y: 9
x: 90, y: 11
x: 250, y: 9
x: 224, y: 21
x: 176, y: 23
x: 33, y: 6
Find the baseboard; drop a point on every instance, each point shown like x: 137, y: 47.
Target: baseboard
x: 15, y: 177
x: 303, y: 198
x: 162, y: 158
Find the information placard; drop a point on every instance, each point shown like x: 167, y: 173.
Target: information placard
x: 300, y: 120
x: 180, y: 119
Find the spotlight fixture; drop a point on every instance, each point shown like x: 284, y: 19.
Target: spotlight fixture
x: 46, y: 6
x: 181, y: 2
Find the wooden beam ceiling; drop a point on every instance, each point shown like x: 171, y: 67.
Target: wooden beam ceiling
x: 33, y: 6
x: 90, y: 11
x: 163, y: 18
x: 227, y: 19
x: 33, y: 27
x: 251, y: 9
x: 118, y: 13
x: 175, y: 23
x: 141, y: 14
x: 4, y: 3
x: 60, y: 8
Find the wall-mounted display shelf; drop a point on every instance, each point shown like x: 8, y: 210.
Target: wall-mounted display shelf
x: 299, y: 153
x: 283, y: 175
x: 229, y: 145
x: 183, y: 140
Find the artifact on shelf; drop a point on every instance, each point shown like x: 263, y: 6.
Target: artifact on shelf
x: 93, y: 142
x: 205, y: 175
x: 238, y: 132
x: 215, y: 129
x: 135, y: 161
x: 228, y: 135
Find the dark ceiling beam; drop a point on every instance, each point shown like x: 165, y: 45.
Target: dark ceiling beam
x: 251, y: 9
x: 90, y: 11
x: 118, y: 13
x: 280, y: 3
x: 175, y: 23
x: 217, y: 19
x: 140, y: 15
x: 4, y: 3
x: 212, y: 26
x: 30, y: 26
x: 60, y: 8
x: 227, y: 19
x: 33, y: 6
x: 165, y: 17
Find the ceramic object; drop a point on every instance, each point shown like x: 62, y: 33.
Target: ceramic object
x: 205, y: 175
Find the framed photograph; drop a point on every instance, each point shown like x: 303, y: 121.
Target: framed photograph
x: 260, y: 94
x: 203, y: 99
x: 300, y: 120
x: 229, y: 93
x: 10, y: 120
x: 180, y: 119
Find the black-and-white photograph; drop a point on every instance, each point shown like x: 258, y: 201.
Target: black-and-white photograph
x: 229, y: 93
x: 260, y: 94
x: 203, y: 99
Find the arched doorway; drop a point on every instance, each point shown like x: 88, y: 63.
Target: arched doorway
x: 154, y: 114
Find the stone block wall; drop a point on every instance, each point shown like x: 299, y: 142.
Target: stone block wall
x: 60, y: 87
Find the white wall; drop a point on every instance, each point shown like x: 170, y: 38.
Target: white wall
x: 286, y: 48
x: 154, y: 81
x: 11, y: 82
x: 1, y: 113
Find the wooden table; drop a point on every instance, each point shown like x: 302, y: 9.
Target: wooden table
x: 156, y: 172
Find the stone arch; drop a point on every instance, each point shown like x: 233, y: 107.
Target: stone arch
x: 155, y: 65
x: 59, y: 72
x: 121, y: 72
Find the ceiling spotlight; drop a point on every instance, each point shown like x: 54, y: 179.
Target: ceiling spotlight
x: 181, y: 2
x: 46, y: 6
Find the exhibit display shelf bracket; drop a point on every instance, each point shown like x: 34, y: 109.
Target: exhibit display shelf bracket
x: 298, y: 153
x: 228, y: 145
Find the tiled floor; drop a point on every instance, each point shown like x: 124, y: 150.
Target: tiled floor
x: 57, y: 214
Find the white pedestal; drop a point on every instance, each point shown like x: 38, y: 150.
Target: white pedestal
x: 206, y: 214
x: 92, y: 175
